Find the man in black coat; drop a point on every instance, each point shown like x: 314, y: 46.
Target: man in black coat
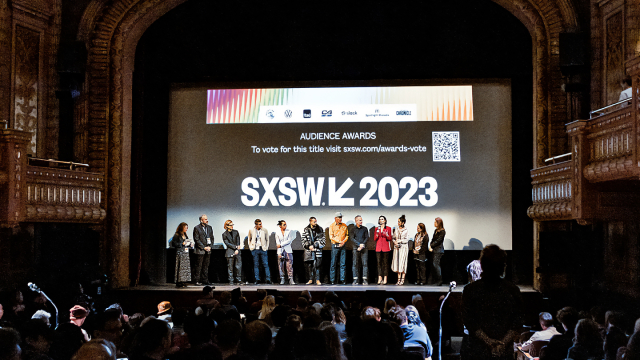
x: 203, y: 237
x: 231, y: 239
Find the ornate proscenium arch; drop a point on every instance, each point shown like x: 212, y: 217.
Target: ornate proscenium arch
x: 112, y: 30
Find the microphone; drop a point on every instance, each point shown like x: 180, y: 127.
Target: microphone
x: 452, y: 285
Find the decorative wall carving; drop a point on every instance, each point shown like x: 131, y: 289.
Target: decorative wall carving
x: 614, y: 60
x: 26, y: 79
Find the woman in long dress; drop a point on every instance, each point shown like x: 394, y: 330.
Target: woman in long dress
x: 182, y: 243
x: 400, y: 250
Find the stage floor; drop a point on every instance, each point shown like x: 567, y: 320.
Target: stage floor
x: 314, y: 288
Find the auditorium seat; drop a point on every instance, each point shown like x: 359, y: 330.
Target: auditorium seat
x: 536, y: 346
x: 419, y: 350
x: 526, y: 336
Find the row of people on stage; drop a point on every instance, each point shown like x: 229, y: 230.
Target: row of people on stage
x: 392, y: 244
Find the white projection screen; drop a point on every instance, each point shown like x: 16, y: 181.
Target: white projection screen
x: 290, y: 153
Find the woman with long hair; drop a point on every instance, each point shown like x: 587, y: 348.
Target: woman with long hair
x: 587, y: 341
x: 400, y: 250
x: 383, y: 238
x: 182, y: 243
x: 436, y: 247
x: 420, y: 242
x: 268, y: 305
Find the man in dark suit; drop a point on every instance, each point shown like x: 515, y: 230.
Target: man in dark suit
x: 203, y: 237
x: 231, y: 239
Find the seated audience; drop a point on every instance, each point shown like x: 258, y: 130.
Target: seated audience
x: 414, y: 333
x: 225, y: 301
x: 207, y: 302
x: 255, y: 340
x: 371, y: 313
x: 96, y: 349
x: 334, y: 343
x: 228, y: 337
x: 257, y: 305
x: 164, y: 312
x: 548, y: 330
x: 42, y: 316
x: 587, y: 343
x: 77, y: 316
x: 267, y: 307
x: 152, y: 341
x: 560, y: 344
x: 36, y: 340
x: 614, y: 337
x: 10, y: 344
x: 67, y: 339
x: 625, y: 83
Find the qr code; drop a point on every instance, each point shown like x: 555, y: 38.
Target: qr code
x: 446, y: 145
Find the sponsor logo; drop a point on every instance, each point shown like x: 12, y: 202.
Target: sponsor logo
x: 327, y: 113
x: 403, y: 112
x: 349, y: 113
x: 270, y: 114
x: 288, y: 114
x: 306, y: 113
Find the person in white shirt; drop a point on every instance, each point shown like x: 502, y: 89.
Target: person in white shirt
x: 626, y: 88
x: 548, y: 330
x: 285, y: 253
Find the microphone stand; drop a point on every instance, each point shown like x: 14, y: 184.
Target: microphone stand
x: 452, y: 286
x: 35, y: 288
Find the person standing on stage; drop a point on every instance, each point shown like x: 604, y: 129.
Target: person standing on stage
x: 203, y: 237
x: 436, y: 247
x: 338, y: 233
x: 181, y: 243
x: 400, y: 250
x: 285, y: 253
x: 383, y: 239
x: 313, y: 241
x: 259, y: 244
x: 359, y: 236
x: 420, y: 253
x: 231, y: 239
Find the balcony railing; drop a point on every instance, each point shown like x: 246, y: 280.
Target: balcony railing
x: 62, y: 195
x: 552, y: 192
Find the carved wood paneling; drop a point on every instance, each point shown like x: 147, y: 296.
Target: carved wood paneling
x: 5, y: 60
x: 26, y: 83
x: 614, y: 56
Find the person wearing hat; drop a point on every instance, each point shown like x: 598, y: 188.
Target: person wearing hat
x: 164, y: 312
x: 338, y: 233
x: 77, y: 316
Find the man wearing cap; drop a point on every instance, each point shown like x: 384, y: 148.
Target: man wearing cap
x: 338, y: 233
x: 203, y: 237
x: 164, y: 312
x: 77, y: 315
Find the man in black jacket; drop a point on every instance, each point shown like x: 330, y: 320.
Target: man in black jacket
x: 231, y: 239
x: 313, y: 241
x: 203, y: 237
x: 359, y: 236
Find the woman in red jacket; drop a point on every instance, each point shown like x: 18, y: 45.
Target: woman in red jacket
x: 383, y: 240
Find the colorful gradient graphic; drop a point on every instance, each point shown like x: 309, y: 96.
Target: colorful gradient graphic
x: 434, y: 103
